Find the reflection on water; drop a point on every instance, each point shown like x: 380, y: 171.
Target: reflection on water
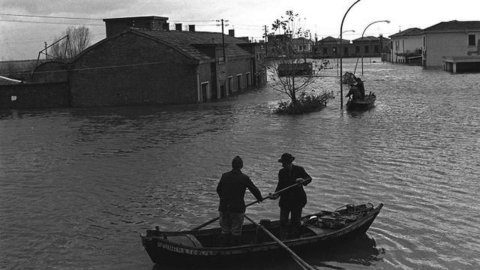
x: 77, y: 186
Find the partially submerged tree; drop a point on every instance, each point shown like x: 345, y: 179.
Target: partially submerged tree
x: 291, y: 73
x: 72, y: 42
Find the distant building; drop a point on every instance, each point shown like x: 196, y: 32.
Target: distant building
x: 142, y: 62
x: 329, y: 47
x: 407, y: 46
x: 450, y: 41
x: 302, y: 45
x: 370, y: 46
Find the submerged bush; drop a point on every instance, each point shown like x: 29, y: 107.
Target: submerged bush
x: 304, y: 104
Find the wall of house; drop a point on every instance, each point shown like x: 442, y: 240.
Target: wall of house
x: 132, y: 70
x: 405, y: 44
x: 52, y: 71
x: 34, y: 95
x: 439, y: 45
x: 239, y: 67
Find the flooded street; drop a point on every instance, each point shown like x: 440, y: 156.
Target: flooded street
x: 77, y: 186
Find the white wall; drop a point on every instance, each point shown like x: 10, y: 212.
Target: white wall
x: 405, y: 44
x: 439, y: 45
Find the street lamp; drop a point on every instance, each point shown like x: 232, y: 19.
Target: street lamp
x: 341, y: 52
x: 385, y: 21
x: 340, y: 41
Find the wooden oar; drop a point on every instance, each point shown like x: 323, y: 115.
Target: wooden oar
x: 295, y: 257
x: 270, y: 196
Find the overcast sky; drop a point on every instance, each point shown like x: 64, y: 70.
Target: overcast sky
x: 26, y: 24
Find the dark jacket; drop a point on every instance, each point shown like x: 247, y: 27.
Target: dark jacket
x: 231, y: 190
x: 294, y: 197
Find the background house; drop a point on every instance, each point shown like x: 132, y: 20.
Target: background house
x: 370, y: 46
x: 329, y: 47
x: 141, y: 62
x: 451, y: 39
x: 302, y: 45
x: 407, y: 46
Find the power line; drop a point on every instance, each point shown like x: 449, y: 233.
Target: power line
x: 52, y: 17
x: 65, y: 23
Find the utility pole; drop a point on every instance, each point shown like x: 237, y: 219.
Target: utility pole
x: 46, y: 52
x: 222, y: 21
x: 223, y: 44
x: 266, y: 40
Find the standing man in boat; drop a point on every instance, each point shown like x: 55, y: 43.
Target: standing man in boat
x: 231, y: 190
x: 293, y: 200
x: 360, y: 87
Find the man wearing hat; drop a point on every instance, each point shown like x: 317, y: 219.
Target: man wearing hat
x: 292, y: 200
x: 231, y: 190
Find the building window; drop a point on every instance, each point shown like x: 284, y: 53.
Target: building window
x: 397, y: 44
x: 471, y: 40
x: 376, y: 49
x: 357, y: 49
x: 325, y: 51
x: 367, y: 49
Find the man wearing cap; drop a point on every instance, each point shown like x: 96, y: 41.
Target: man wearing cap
x: 292, y: 200
x: 231, y: 190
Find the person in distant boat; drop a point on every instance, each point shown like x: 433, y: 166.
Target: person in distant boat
x: 292, y: 200
x: 354, y: 92
x: 361, y: 87
x: 231, y: 190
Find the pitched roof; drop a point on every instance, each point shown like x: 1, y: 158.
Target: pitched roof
x: 408, y: 32
x: 366, y: 39
x: 330, y: 39
x: 454, y: 26
x: 188, y: 42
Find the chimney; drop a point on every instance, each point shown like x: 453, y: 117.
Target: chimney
x: 231, y: 32
x: 191, y: 28
x: 178, y: 27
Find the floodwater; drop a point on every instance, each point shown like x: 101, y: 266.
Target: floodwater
x: 78, y: 186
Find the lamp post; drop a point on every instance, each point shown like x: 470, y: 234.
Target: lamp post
x: 340, y: 41
x: 341, y: 52
x: 386, y: 21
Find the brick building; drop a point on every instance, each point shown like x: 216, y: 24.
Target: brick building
x: 142, y: 62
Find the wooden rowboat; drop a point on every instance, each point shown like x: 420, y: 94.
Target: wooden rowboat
x: 204, y: 246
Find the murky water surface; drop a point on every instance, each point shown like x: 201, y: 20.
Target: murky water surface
x: 77, y: 186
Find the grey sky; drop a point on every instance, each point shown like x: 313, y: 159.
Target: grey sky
x: 23, y: 37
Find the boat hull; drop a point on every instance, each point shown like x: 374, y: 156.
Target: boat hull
x: 162, y: 250
x: 364, y: 104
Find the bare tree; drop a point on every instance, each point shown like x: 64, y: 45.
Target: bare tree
x: 290, y: 73
x: 72, y: 42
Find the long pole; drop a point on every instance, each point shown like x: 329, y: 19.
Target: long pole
x: 341, y: 53
x: 295, y: 257
x: 387, y: 21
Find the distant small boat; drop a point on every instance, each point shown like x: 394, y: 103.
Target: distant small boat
x: 361, y: 104
x: 319, y: 230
